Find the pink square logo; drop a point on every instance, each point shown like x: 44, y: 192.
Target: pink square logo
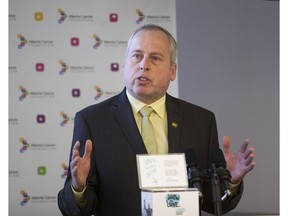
x: 39, y: 67
x: 114, y: 67
x: 40, y: 119
x: 74, y: 41
x: 113, y: 17
x: 76, y: 92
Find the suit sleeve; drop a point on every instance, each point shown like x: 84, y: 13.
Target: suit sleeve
x: 232, y: 201
x: 66, y: 202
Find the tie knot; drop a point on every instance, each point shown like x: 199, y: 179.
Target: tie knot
x: 146, y: 111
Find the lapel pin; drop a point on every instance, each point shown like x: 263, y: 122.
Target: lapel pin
x: 174, y: 124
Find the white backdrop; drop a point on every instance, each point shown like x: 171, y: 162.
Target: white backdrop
x: 63, y: 56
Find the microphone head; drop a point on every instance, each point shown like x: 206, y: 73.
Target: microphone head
x: 190, y: 156
x: 217, y: 157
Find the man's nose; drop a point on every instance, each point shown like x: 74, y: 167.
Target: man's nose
x: 144, y: 64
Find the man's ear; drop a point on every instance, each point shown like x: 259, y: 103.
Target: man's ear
x: 173, y: 72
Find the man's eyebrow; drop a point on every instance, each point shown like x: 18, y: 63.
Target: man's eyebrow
x: 153, y: 53
x: 136, y: 51
x: 158, y: 54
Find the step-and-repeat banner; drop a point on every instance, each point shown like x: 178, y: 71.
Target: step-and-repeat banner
x: 63, y: 56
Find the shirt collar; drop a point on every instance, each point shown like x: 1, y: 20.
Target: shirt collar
x: 158, y: 106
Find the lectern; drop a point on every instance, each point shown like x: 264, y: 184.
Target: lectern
x: 164, y: 186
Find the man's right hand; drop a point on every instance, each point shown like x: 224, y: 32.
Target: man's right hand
x: 80, y: 166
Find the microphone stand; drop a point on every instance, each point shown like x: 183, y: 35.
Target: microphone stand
x: 216, y: 191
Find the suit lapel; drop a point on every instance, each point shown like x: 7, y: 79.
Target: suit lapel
x: 175, y: 119
x: 123, y: 113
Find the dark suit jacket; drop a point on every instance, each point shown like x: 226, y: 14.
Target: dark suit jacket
x: 112, y: 185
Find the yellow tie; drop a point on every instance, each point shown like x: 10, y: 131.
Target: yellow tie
x: 147, y: 130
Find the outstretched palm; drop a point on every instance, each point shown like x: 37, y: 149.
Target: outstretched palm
x: 239, y: 163
x: 80, y: 166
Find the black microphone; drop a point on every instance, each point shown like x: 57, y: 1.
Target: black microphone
x: 194, y: 177
x: 217, y: 158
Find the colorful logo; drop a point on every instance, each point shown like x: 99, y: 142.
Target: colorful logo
x: 99, y: 92
x: 64, y: 67
x: 172, y: 200
x: 98, y: 41
x: 141, y: 16
x: 63, y: 15
x: 24, y: 93
x: 25, y: 145
x: 41, y: 119
x: 38, y: 16
x: 26, y: 198
x: 76, y: 92
x: 113, y: 17
x: 65, y: 119
x: 39, y: 67
x: 41, y: 170
x: 23, y: 41
x: 65, y: 170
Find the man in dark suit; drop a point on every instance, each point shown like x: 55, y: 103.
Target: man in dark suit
x: 102, y: 177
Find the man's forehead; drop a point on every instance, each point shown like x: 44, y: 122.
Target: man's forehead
x: 142, y: 41
x: 145, y: 31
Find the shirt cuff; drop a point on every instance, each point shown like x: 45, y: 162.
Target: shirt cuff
x: 234, y: 187
x: 79, y: 196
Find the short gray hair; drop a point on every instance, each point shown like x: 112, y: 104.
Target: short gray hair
x: 172, y: 41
